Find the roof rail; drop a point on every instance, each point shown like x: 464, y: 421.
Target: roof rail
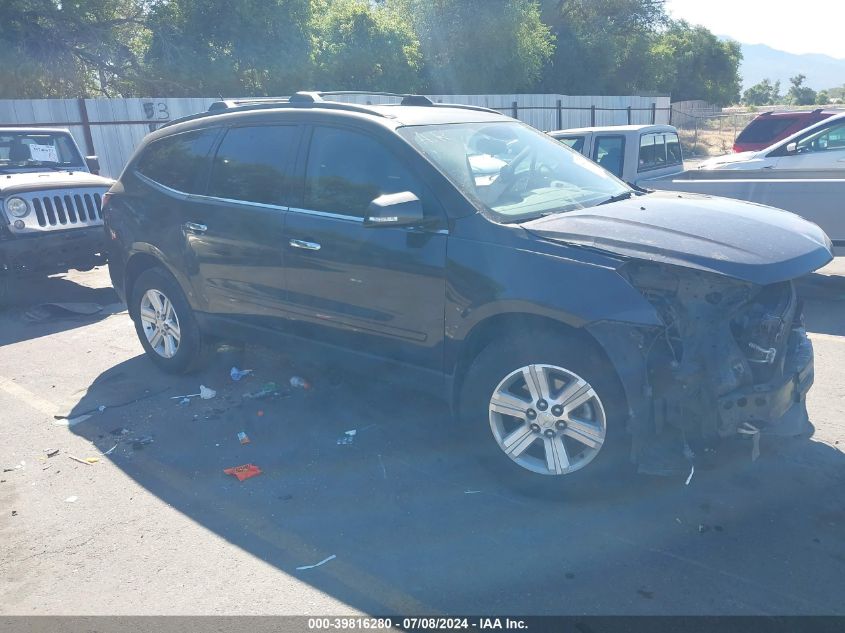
x: 313, y: 98
x: 409, y: 99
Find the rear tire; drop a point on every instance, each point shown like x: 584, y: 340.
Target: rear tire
x: 566, y: 426
x: 166, y: 325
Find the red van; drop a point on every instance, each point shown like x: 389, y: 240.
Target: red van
x: 771, y: 127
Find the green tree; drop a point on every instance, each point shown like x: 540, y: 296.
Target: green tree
x: 692, y: 63
x: 79, y: 48
x: 799, y: 94
x: 822, y: 97
x: 237, y: 47
x: 601, y: 47
x: 477, y: 46
x: 763, y: 93
x: 361, y: 46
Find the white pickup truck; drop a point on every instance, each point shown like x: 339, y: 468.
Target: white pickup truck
x: 804, y: 174
x: 634, y: 153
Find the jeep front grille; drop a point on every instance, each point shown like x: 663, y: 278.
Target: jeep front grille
x: 61, y: 209
x: 67, y: 209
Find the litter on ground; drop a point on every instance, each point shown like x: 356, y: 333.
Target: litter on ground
x: 141, y: 442
x: 347, y: 438
x: 322, y: 562
x: 243, y: 438
x: 298, y: 382
x: 46, y: 311
x: 72, y: 499
x: 237, y: 374
x: 62, y: 421
x: 243, y: 472
x: 206, y: 393
x: 81, y: 461
x: 267, y: 389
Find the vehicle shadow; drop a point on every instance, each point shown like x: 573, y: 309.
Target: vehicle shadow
x: 28, y: 292
x: 824, y: 317
x: 418, y: 526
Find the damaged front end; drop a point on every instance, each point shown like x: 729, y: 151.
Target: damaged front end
x: 732, y: 357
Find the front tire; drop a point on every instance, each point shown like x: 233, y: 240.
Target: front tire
x: 166, y: 325
x: 544, y: 409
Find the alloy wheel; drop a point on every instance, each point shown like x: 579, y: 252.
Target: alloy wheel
x: 160, y: 323
x: 547, y: 419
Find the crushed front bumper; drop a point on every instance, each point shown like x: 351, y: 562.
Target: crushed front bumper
x: 51, y: 252
x: 777, y: 407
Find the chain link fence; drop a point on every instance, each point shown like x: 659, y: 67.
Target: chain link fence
x: 711, y: 134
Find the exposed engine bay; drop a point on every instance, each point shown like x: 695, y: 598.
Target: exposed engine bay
x: 732, y: 356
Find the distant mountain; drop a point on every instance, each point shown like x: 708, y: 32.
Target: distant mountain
x: 761, y: 61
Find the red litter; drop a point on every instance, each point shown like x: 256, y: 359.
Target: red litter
x: 243, y: 472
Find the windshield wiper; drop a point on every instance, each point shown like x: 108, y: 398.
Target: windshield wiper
x: 617, y: 198
x: 53, y: 166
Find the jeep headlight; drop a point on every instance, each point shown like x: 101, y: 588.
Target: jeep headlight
x: 17, y: 207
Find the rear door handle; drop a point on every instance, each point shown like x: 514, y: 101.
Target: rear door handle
x: 193, y: 227
x: 308, y: 246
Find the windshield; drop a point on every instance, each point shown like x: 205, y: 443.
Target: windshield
x: 26, y: 150
x: 513, y: 170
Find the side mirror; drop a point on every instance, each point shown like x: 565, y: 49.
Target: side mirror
x: 394, y: 209
x: 93, y: 164
x: 792, y: 148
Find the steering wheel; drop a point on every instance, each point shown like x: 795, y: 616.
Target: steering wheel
x: 508, y: 177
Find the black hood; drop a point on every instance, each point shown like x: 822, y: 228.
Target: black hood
x: 746, y: 241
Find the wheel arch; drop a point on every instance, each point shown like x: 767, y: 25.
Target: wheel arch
x: 500, y: 325
x: 148, y: 258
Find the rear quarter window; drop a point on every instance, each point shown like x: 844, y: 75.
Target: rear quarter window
x: 180, y: 161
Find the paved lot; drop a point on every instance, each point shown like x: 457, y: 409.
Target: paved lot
x: 416, y: 527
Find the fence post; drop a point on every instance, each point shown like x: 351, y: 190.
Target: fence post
x: 86, y: 126
x: 593, y: 115
x: 515, y: 110
x: 629, y: 115
x: 653, y: 113
x: 695, y: 139
x: 559, y: 114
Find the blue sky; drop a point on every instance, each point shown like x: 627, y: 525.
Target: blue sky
x: 795, y: 27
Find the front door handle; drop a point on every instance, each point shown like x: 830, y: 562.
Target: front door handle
x: 193, y: 227
x: 308, y: 246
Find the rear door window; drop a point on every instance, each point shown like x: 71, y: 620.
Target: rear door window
x: 609, y: 152
x: 347, y: 170
x: 252, y: 163
x: 180, y: 161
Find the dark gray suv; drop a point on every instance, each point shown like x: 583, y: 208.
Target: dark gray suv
x: 559, y: 310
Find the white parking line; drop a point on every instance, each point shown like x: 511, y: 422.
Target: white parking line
x: 27, y: 397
